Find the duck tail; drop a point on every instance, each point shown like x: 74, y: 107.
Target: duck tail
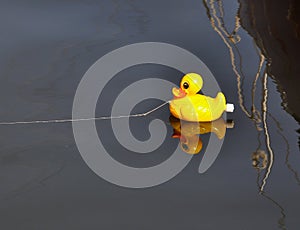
x: 221, y: 99
x: 229, y: 108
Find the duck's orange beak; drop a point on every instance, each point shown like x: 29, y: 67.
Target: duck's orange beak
x: 177, y: 134
x: 178, y: 92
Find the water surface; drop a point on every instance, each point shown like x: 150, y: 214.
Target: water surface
x: 45, y: 184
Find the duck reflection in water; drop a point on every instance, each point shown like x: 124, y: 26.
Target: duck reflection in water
x: 189, y: 132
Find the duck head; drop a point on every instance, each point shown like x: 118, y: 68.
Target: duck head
x: 191, y: 145
x: 190, y: 142
x: 190, y: 84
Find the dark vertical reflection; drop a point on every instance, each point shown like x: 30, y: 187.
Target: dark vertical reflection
x: 262, y: 161
x: 274, y: 25
x: 281, y: 220
x: 215, y: 13
x: 288, y: 153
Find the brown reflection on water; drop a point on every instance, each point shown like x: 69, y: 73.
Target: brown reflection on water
x: 219, y: 27
x: 288, y: 153
x: 281, y: 220
x: 266, y: 132
x: 262, y: 160
x: 215, y: 13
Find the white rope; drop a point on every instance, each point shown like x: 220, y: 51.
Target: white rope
x: 82, y: 119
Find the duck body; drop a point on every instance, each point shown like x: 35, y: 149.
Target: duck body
x: 190, y: 106
x: 198, y: 107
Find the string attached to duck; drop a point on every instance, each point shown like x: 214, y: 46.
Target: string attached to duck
x: 83, y: 119
x: 187, y: 105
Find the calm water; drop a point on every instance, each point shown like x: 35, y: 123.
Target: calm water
x: 46, y: 47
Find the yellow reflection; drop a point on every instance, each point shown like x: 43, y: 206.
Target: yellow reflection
x: 189, y: 132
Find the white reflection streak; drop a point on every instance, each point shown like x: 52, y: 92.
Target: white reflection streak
x: 268, y: 142
x: 218, y: 29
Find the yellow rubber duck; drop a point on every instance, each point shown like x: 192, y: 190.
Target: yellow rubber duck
x: 190, y: 106
x: 188, y: 132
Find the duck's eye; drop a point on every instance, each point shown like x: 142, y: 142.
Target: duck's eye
x: 185, y: 147
x: 185, y: 85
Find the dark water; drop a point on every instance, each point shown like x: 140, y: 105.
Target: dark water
x: 46, y: 47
